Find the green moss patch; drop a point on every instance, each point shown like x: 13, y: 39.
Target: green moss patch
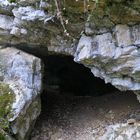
x: 2, y: 137
x: 12, y: 1
x: 6, y: 99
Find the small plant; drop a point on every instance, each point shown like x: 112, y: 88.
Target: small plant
x: 59, y: 15
x: 60, y: 9
x: 6, y: 98
x: 2, y: 137
x: 12, y: 1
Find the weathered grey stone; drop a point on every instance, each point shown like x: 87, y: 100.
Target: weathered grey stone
x: 6, y: 22
x: 39, y: 20
x: 122, y: 132
x: 135, y: 34
x: 116, y: 63
x: 28, y: 13
x: 123, y: 35
x: 21, y: 72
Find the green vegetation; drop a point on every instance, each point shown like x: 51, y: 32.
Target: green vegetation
x: 12, y: 1
x: 2, y: 137
x: 6, y: 99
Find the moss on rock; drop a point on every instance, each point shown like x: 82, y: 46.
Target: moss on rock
x: 12, y: 0
x: 2, y: 137
x: 6, y: 99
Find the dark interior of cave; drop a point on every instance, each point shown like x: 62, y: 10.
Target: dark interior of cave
x: 66, y: 77
x: 73, y: 100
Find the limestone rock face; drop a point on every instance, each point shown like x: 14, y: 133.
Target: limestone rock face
x: 122, y: 131
x: 37, y: 22
x: 21, y: 73
x: 113, y: 57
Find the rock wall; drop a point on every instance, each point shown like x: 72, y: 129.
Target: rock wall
x: 122, y: 131
x: 20, y: 85
x: 59, y: 25
x: 113, y: 56
x: 102, y: 35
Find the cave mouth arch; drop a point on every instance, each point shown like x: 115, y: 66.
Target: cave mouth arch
x: 74, y: 103
x: 66, y: 77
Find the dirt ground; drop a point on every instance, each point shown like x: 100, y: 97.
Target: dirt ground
x: 83, y: 118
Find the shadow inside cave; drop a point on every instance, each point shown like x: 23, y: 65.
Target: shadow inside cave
x: 78, y: 106
x: 64, y: 76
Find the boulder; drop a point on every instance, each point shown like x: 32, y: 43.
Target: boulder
x: 20, y: 87
x: 121, y: 132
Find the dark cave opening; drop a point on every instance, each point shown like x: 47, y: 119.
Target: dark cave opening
x: 73, y: 100
x: 66, y: 77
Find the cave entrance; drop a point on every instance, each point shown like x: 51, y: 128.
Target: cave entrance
x: 78, y: 106
x: 66, y: 77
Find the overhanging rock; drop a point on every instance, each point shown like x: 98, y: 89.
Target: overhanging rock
x: 108, y: 37
x: 114, y: 57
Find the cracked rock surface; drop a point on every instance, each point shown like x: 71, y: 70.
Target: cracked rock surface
x: 113, y: 57
x: 21, y: 73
